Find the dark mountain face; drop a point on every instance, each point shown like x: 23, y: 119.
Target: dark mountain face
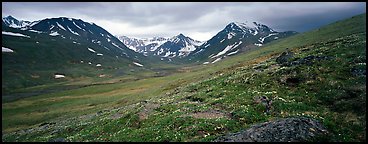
x: 63, y: 45
x: 76, y: 29
x: 236, y: 37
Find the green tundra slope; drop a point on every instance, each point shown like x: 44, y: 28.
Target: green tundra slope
x: 319, y: 74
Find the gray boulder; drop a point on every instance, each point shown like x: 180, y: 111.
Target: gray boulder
x: 285, y: 57
x: 299, y: 129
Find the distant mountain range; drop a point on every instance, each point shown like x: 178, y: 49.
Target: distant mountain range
x: 236, y: 37
x: 177, y: 46
x: 58, y: 44
x: 14, y: 23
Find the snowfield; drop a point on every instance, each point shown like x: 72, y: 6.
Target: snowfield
x: 227, y: 49
x: 262, y: 39
x: 57, y: 76
x: 72, y: 31
x: 14, y: 34
x: 91, y: 50
x: 54, y: 34
x: 60, y: 26
x: 4, y: 49
x: 138, y: 64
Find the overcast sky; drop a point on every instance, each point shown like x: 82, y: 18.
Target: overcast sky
x: 198, y: 20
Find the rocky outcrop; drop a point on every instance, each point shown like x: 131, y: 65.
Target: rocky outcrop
x: 299, y: 129
x: 285, y: 57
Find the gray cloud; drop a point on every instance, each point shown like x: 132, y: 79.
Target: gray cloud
x: 200, y: 20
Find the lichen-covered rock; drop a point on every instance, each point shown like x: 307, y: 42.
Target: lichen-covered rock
x: 58, y: 140
x: 308, y: 60
x: 299, y: 129
x: 358, y: 71
x: 285, y: 57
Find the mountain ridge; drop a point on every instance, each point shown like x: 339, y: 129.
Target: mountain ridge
x: 179, y: 45
x: 236, y: 37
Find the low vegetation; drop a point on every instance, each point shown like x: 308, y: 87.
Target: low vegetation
x: 320, y: 79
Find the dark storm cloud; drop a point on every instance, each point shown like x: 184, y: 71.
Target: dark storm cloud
x: 308, y: 16
x: 198, y: 19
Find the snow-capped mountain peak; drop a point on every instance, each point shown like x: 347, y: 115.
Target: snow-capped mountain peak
x: 244, y: 25
x: 15, y: 23
x: 252, y: 27
x: 179, y: 45
x: 237, y: 37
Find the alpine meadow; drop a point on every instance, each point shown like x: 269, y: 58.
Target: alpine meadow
x: 65, y: 79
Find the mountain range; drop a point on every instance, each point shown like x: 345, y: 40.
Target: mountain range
x: 177, y: 46
x: 65, y: 45
x: 235, y: 37
x: 14, y: 23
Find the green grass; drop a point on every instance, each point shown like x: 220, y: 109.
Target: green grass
x: 326, y: 91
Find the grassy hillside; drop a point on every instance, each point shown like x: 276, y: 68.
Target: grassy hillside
x: 36, y: 59
x: 201, y: 103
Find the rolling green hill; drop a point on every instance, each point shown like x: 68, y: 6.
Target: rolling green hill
x: 319, y: 74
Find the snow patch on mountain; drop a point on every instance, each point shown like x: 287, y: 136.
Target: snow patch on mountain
x: 255, y: 32
x: 115, y: 45
x: 132, y: 47
x: 54, y: 33
x: 245, y: 26
x: 232, y: 53
x: 263, y: 38
x: 169, y: 53
x: 59, y: 25
x: 78, y: 26
x: 201, y: 50
x: 138, y: 64
x: 33, y: 23
x: 4, y: 49
x: 256, y: 44
x: 14, y: 34
x: 227, y: 49
x: 91, y: 50
x: 72, y: 31
x: 160, y: 51
x: 218, y: 59
x: 230, y: 35
x: 52, y: 26
x: 188, y: 48
x: 35, y: 31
